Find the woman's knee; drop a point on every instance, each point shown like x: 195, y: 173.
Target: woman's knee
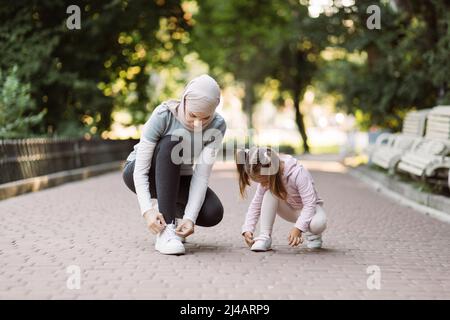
x: 216, y: 214
x: 212, y: 213
x: 127, y: 175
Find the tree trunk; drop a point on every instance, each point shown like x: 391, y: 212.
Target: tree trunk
x: 300, y: 123
x: 249, y: 100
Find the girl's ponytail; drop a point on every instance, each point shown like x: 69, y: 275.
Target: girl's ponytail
x: 276, y: 186
x: 260, y: 161
x: 244, y: 179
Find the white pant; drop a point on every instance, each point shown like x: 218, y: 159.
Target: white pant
x: 272, y: 205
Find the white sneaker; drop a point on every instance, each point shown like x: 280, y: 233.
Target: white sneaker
x: 177, y: 223
x: 262, y: 243
x: 167, y: 242
x: 313, y: 241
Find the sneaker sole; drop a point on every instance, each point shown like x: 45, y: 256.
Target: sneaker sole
x: 171, y: 252
x: 261, y: 250
x: 174, y: 253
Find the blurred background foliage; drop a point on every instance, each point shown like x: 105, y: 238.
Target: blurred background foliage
x: 79, y: 76
x: 129, y: 56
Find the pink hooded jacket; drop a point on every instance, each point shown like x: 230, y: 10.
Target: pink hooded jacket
x: 301, y: 195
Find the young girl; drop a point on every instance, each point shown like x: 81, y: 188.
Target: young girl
x: 285, y: 188
x: 168, y: 187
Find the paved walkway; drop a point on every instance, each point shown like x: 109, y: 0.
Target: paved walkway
x: 95, y: 225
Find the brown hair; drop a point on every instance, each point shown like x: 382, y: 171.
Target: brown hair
x: 260, y: 161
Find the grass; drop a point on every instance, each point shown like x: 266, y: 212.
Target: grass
x: 419, y: 185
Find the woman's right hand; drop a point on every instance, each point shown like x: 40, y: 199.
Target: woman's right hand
x: 155, y: 221
x: 248, y: 237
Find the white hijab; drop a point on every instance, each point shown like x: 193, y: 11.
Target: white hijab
x: 201, y: 94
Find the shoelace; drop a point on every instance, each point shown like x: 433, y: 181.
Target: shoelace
x: 170, y: 232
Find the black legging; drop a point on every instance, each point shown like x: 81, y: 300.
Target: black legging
x: 172, y: 189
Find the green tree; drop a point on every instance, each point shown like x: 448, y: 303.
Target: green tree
x: 255, y: 40
x: 79, y: 75
x: 303, y: 40
x: 241, y: 38
x: 386, y: 72
x: 17, y: 110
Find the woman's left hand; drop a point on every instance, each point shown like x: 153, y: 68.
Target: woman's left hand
x: 295, y: 237
x: 186, y: 228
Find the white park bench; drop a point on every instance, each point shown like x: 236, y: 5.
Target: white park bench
x: 389, y: 147
x: 429, y: 159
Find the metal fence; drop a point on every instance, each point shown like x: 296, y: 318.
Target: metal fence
x: 26, y: 158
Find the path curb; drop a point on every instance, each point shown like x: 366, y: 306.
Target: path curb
x: 15, y: 188
x: 436, y: 206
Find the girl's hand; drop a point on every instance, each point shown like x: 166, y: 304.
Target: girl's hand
x: 295, y: 237
x: 185, y: 229
x: 155, y: 221
x: 248, y: 237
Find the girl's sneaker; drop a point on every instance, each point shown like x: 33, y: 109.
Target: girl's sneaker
x: 262, y: 243
x: 313, y: 241
x: 167, y: 242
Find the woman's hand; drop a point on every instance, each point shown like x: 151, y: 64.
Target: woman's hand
x: 185, y: 229
x: 295, y: 237
x: 248, y: 237
x: 155, y: 221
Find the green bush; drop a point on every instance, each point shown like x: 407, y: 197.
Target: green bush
x: 17, y: 109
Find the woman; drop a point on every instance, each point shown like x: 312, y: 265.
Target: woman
x: 160, y: 168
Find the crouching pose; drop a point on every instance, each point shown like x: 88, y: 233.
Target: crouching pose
x: 179, y: 134
x: 285, y: 188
